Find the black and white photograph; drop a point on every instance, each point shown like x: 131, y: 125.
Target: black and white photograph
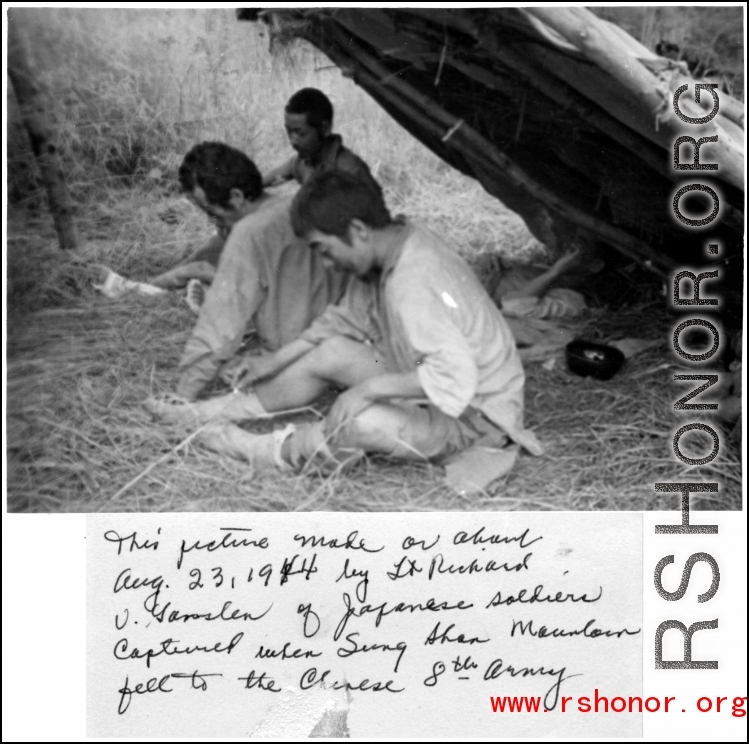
x: 373, y: 259
x: 335, y: 336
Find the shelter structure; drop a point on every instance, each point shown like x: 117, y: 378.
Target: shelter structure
x: 564, y: 117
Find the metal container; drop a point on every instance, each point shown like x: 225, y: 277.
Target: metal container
x: 590, y: 359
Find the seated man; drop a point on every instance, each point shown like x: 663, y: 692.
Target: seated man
x: 266, y: 275
x: 429, y: 364
x: 308, y: 119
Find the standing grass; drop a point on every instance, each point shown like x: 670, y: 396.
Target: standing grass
x: 129, y: 91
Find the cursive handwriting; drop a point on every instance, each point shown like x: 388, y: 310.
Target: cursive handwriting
x: 497, y: 668
x: 544, y: 632
x: 353, y: 573
x: 348, y: 543
x: 383, y: 610
x: 355, y: 648
x: 153, y: 685
x: 152, y: 607
x: 412, y: 606
x: 439, y: 566
x: 478, y: 538
x: 198, y: 680
x: 401, y: 570
x: 284, y: 653
x: 536, y: 597
x: 444, y: 637
x: 310, y: 678
x: 267, y: 684
x: 227, y: 541
x: 412, y: 542
x: 169, y: 648
x: 126, y: 581
x: 290, y: 569
x: 311, y: 620
x: 112, y: 536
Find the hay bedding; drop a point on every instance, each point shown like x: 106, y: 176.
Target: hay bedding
x: 78, y: 438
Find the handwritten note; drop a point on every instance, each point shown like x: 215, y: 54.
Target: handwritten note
x: 364, y: 625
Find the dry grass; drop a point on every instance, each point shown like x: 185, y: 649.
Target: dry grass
x: 79, y: 439
x: 80, y: 366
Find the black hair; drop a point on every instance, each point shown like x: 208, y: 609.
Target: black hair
x: 314, y: 103
x: 218, y: 168
x: 331, y: 200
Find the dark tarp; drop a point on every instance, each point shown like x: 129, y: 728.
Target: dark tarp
x: 565, y: 118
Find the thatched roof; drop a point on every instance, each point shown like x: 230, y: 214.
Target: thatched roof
x: 564, y: 117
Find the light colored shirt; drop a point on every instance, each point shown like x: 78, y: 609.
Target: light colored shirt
x: 266, y: 276
x: 428, y: 312
x: 334, y: 156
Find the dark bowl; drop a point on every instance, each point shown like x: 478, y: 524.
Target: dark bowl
x: 589, y: 359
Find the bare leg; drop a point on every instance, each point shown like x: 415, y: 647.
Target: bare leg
x: 404, y: 431
x: 178, y: 277
x: 231, y: 407
x: 387, y: 429
x: 229, y: 439
x: 407, y: 432
x: 339, y: 360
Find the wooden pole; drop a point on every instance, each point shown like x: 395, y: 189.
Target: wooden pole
x: 604, y: 47
x: 31, y: 104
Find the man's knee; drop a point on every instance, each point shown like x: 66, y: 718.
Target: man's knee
x: 373, y: 430
x: 367, y: 424
x: 410, y: 433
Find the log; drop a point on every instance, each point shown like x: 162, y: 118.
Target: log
x: 28, y: 94
x: 604, y: 47
x: 585, y: 89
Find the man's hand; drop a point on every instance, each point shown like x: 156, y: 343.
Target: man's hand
x: 360, y: 397
x: 347, y: 407
x: 258, y: 367
x: 253, y: 368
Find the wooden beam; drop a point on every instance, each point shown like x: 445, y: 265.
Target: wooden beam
x: 536, y: 76
x: 29, y: 98
x: 609, y: 53
x: 595, y: 84
x: 418, y: 107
